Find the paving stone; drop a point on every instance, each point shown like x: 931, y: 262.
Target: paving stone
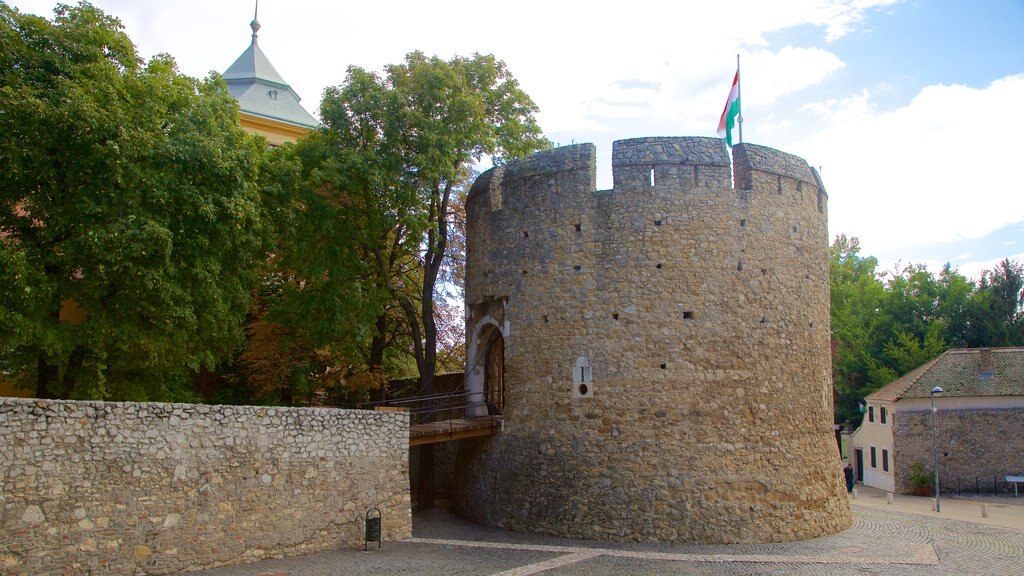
x: 881, y: 542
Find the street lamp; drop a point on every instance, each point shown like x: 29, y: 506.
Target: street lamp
x: 935, y: 451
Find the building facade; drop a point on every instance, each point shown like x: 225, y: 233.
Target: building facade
x: 979, y: 419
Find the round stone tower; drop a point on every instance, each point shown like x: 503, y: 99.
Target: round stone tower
x: 659, y: 351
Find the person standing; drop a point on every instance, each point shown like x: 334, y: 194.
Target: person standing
x: 848, y: 474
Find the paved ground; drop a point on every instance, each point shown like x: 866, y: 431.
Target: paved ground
x: 905, y: 538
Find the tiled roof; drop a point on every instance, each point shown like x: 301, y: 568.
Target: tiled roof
x: 260, y: 89
x: 958, y: 373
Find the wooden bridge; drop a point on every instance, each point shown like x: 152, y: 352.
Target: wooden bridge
x: 442, y: 417
x: 454, y: 429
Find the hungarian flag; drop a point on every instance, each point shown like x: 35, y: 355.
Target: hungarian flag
x: 731, y: 112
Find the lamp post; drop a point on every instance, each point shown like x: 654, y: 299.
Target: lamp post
x: 935, y: 451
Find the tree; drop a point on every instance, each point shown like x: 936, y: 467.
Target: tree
x: 394, y: 150
x: 129, y: 193
x: 883, y: 330
x: 996, y: 310
x: 856, y: 300
x: 955, y: 292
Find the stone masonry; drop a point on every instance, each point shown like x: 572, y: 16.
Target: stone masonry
x: 666, y: 371
x: 982, y: 444
x: 130, y: 488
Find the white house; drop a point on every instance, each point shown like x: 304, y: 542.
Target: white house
x: 979, y: 421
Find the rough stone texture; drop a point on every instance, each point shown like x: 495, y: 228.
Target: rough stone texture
x: 703, y: 314
x: 127, y: 488
x: 966, y: 446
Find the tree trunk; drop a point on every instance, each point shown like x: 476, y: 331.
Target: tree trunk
x: 377, y: 345
x: 46, y: 374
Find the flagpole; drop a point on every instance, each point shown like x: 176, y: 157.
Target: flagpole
x: 739, y: 97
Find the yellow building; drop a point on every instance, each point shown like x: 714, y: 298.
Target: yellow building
x: 268, y: 105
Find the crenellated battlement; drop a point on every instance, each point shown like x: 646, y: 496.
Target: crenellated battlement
x: 556, y: 160
x: 751, y: 159
x: 639, y: 163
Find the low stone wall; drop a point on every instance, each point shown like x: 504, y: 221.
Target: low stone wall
x: 982, y: 444
x: 129, y: 488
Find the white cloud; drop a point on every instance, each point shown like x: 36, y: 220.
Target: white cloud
x: 772, y: 75
x: 843, y: 111
x: 569, y: 56
x: 974, y: 268
x: 935, y: 170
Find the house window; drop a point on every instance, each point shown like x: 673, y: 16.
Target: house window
x: 874, y: 463
x: 885, y: 460
x: 871, y: 413
x: 882, y: 415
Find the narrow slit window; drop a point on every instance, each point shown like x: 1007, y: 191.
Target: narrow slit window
x: 652, y: 175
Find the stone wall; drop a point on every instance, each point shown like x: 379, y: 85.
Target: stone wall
x: 982, y: 444
x: 128, y: 488
x: 696, y: 315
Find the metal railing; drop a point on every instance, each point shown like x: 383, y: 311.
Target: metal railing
x: 978, y: 485
x: 439, y: 407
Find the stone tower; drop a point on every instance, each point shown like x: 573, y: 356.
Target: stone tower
x: 659, y: 351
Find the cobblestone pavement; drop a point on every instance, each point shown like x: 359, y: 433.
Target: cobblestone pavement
x: 881, y: 542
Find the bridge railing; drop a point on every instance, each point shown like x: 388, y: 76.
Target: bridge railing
x: 438, y: 407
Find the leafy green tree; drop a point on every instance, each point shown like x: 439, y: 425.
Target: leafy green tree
x: 129, y: 193
x: 886, y: 324
x: 955, y: 292
x: 996, y: 309
x: 857, y: 295
x: 375, y: 215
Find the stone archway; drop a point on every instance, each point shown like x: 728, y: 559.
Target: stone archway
x: 485, y: 368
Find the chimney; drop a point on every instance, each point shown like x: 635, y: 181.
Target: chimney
x: 985, y: 357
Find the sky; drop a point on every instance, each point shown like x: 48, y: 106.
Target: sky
x: 910, y: 109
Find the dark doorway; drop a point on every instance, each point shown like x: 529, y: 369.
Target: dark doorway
x: 494, y: 373
x: 858, y: 455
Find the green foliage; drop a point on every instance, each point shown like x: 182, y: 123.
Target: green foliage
x: 857, y: 296
x: 995, y: 315
x: 364, y: 242
x: 886, y: 324
x: 130, y: 192
x: 919, y: 476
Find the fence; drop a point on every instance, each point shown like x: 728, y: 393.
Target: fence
x: 978, y: 485
x: 438, y: 407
